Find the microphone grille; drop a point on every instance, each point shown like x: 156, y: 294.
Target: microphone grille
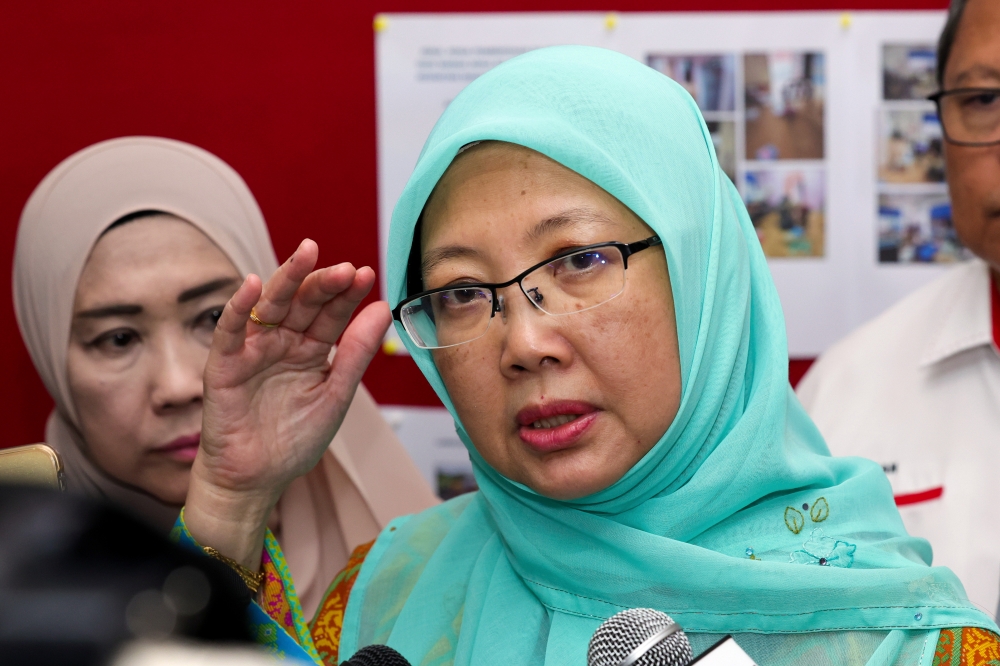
x: 625, y: 631
x: 377, y: 655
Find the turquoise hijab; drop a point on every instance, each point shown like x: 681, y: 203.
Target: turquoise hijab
x: 738, y: 520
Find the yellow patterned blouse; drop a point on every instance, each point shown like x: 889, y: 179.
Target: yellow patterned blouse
x: 325, y: 627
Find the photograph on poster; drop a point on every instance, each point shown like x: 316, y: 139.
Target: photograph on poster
x: 911, y: 147
x: 784, y: 105
x: 917, y: 228
x: 787, y: 208
x: 710, y: 79
x: 724, y: 137
x: 908, y: 71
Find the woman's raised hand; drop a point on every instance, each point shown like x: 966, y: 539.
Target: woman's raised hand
x: 273, y: 400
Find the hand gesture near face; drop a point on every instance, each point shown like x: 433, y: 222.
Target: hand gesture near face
x: 273, y: 396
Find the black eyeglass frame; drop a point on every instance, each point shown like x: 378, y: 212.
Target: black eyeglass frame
x: 941, y: 94
x: 627, y: 250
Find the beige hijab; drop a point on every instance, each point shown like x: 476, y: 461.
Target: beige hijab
x: 365, y: 478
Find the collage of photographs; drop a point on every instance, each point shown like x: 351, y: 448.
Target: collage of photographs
x: 914, y: 211
x: 769, y: 140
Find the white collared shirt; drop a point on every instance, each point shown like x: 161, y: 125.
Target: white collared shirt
x: 917, y: 390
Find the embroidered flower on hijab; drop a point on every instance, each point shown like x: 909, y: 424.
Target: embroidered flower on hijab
x: 824, y: 551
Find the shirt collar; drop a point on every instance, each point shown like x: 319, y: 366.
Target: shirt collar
x: 965, y: 319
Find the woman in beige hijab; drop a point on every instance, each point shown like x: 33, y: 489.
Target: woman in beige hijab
x: 126, y: 253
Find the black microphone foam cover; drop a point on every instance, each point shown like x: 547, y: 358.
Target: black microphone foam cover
x: 376, y: 655
x: 619, y: 636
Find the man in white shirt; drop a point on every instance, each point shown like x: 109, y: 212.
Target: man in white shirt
x: 918, y: 388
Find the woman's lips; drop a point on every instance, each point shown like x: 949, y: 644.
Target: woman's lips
x: 555, y: 426
x: 183, y: 449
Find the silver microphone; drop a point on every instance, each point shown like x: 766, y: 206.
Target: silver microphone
x: 639, y: 637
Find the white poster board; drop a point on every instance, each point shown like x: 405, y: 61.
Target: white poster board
x: 818, y: 115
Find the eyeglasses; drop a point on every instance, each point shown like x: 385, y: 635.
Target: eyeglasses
x: 969, y: 116
x: 569, y: 282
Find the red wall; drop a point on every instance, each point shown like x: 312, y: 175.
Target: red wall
x: 284, y: 92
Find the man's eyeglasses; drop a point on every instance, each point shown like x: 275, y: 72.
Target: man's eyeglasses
x: 969, y: 116
x: 569, y: 282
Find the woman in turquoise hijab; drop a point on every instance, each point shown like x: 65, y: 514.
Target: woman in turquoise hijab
x: 583, y: 288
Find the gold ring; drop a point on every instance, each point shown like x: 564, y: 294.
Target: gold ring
x: 257, y: 320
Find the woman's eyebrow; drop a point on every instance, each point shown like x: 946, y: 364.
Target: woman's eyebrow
x: 441, y: 254
x: 110, y: 311
x: 568, y: 218
x: 202, y: 289
x: 571, y: 217
x: 978, y: 71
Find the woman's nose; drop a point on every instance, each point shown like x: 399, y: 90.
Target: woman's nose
x: 531, y: 339
x: 177, y: 367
